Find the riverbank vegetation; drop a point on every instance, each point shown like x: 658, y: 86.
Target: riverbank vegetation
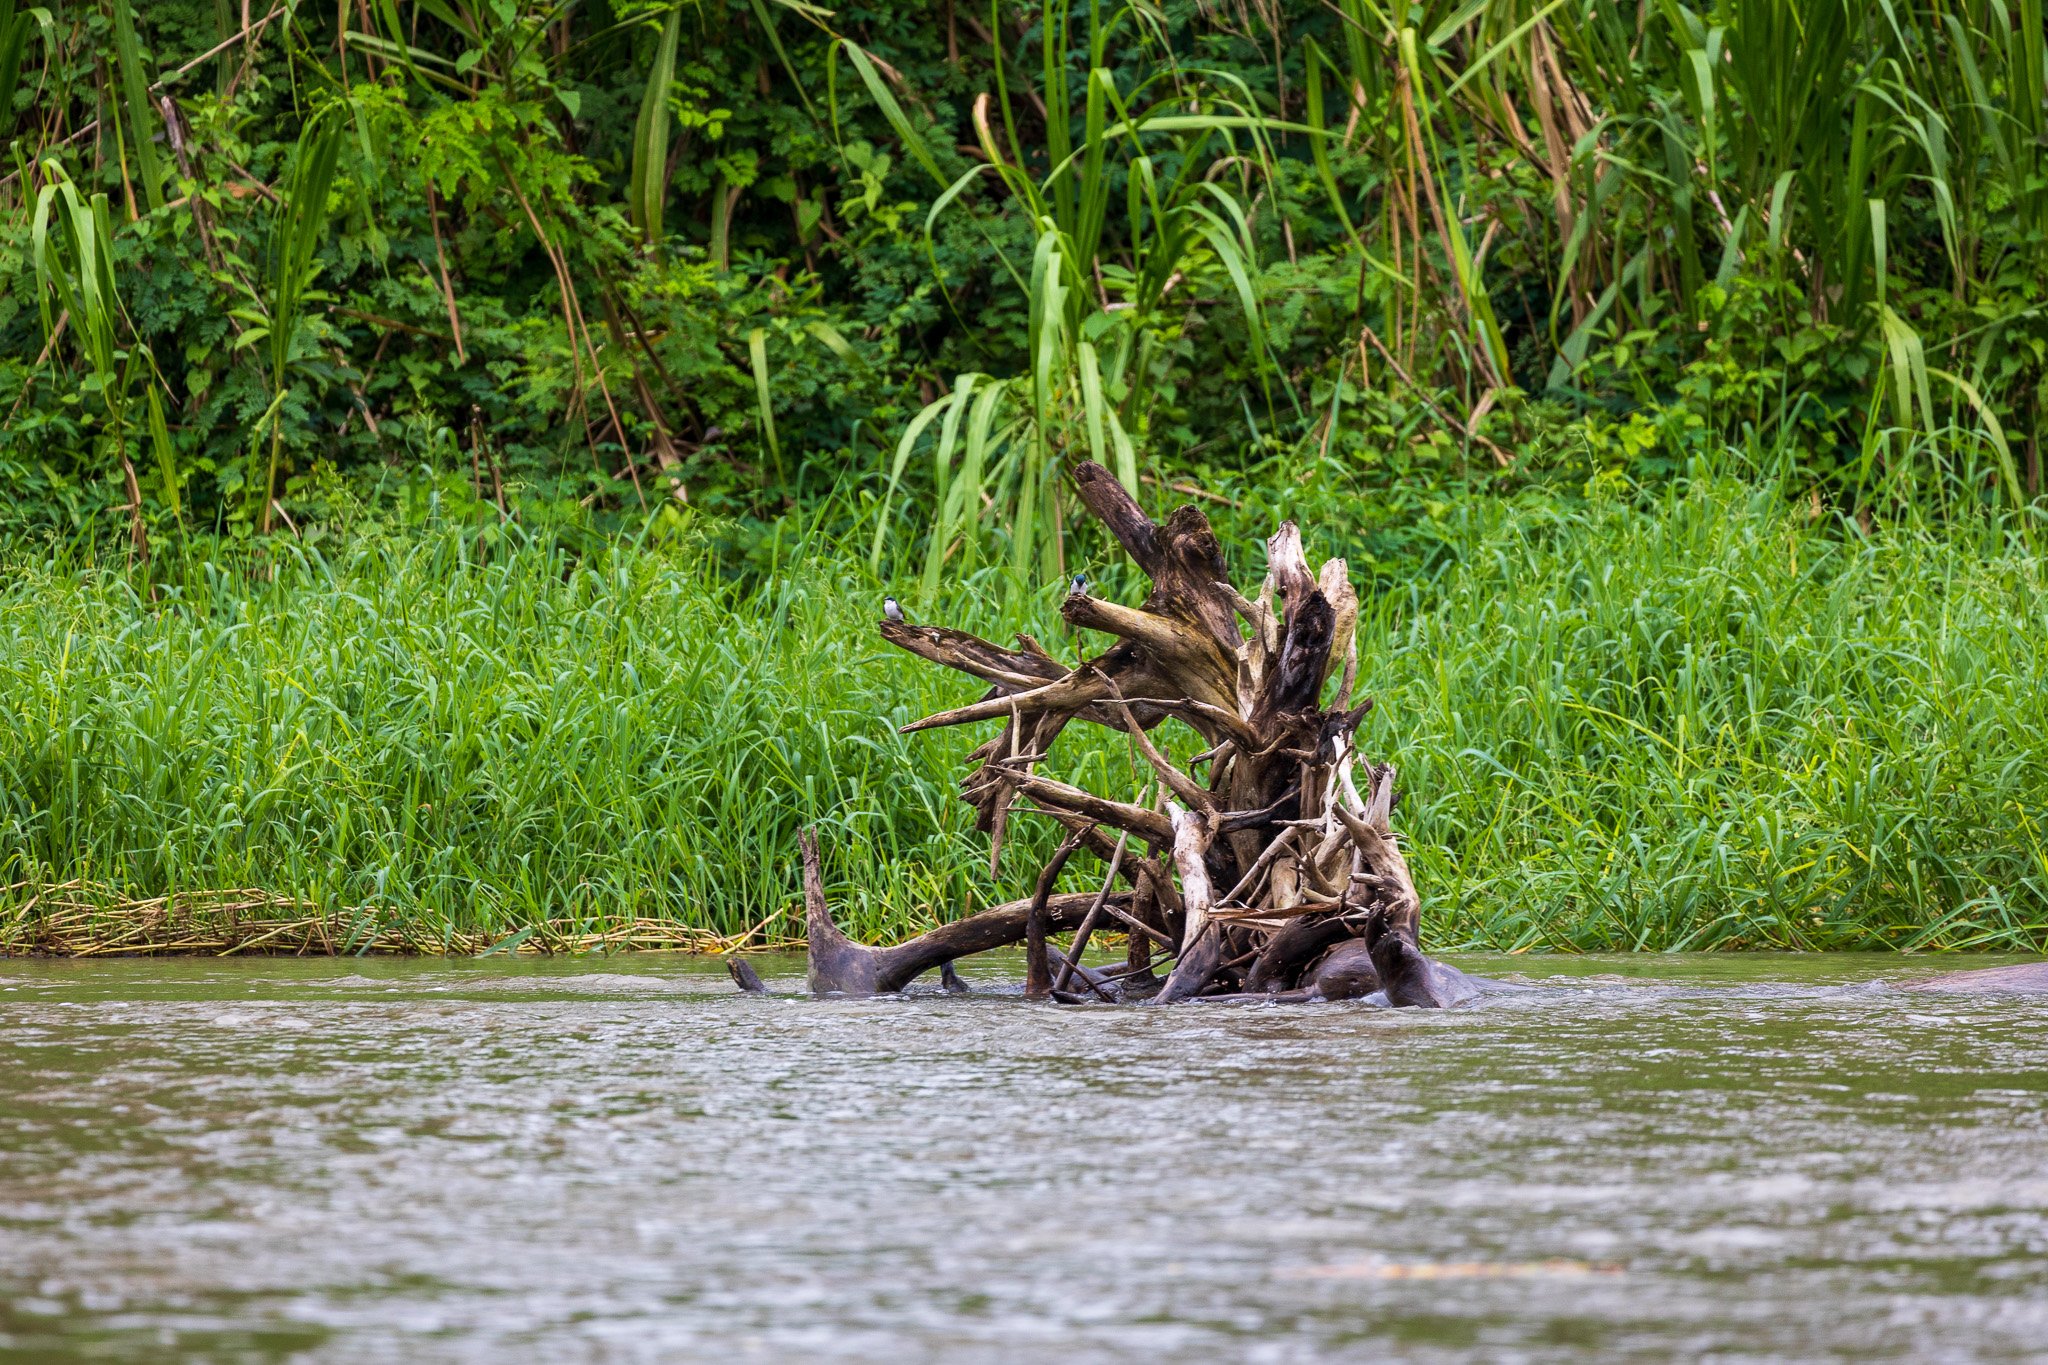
x: 454, y: 448
x: 593, y: 258
x: 1698, y: 718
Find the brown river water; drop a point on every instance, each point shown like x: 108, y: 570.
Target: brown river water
x: 1750, y: 1158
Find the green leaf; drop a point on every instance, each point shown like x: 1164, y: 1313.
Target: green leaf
x: 879, y: 91
x: 648, y: 192
x: 757, y: 349
x: 135, y: 95
x: 166, y: 456
x: 2008, y: 468
x: 904, y: 446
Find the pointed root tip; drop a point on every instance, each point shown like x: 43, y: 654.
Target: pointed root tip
x: 744, y: 976
x: 818, y: 925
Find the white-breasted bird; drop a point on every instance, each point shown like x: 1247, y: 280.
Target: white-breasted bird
x: 1080, y: 582
x: 892, y: 609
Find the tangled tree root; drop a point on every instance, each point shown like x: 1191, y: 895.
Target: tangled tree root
x: 1261, y: 871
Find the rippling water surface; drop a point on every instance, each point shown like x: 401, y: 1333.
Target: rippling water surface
x: 1758, y: 1157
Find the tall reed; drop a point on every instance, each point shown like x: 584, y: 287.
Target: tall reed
x: 1697, y: 721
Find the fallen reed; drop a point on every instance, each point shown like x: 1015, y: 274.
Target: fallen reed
x: 87, y: 919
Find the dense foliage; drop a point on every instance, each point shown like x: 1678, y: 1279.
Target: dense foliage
x: 604, y: 261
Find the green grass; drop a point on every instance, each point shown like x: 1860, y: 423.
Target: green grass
x: 1716, y: 725
x: 1703, y: 721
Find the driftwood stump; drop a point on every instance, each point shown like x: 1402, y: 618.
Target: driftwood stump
x: 1266, y: 866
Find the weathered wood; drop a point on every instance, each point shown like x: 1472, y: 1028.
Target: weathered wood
x: 1146, y: 824
x: 1269, y: 808
x: 888, y: 970
x: 1373, y: 829
x: 1196, y: 967
x: 1334, y: 579
x: 1037, y: 971
x: 839, y: 966
x: 1291, y: 948
x: 1079, y: 945
x: 1140, y: 928
x: 1113, y: 506
x: 1181, y: 784
x: 1019, y: 670
x: 1063, y: 965
x: 1173, y: 648
x: 1201, y: 947
x: 1066, y: 695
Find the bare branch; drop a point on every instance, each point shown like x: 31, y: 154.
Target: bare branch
x: 1183, y: 786
x: 970, y: 654
x: 1116, y: 509
x: 1069, y: 694
x: 1147, y: 824
x: 1187, y: 655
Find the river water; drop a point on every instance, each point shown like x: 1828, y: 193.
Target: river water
x: 1760, y: 1158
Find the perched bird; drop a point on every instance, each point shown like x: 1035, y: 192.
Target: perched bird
x: 1080, y: 582
x: 892, y: 609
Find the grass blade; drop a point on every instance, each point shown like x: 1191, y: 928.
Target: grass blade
x: 648, y: 189
x: 135, y: 96
x: 757, y: 352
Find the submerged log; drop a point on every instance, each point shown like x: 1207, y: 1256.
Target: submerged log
x: 1262, y: 869
x: 839, y: 966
